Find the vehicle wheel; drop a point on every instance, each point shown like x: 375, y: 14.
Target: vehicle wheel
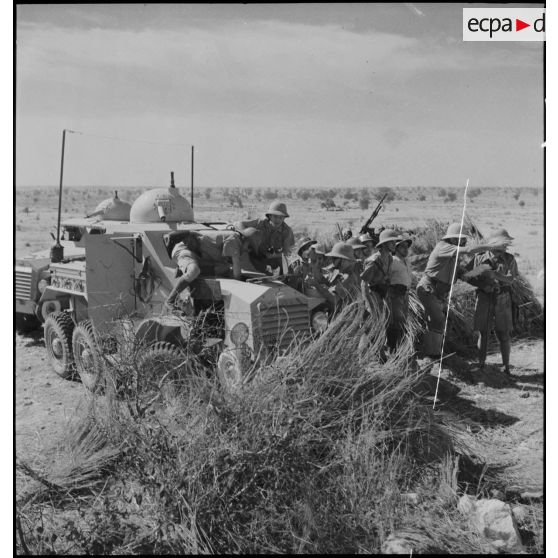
x: 58, y: 341
x: 160, y: 365
x: 25, y: 323
x: 87, y: 356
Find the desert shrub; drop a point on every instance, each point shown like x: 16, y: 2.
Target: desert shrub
x: 364, y: 203
x: 474, y: 192
x: 207, y: 193
x: 310, y: 455
x: 452, y: 196
x: 516, y: 195
x: 421, y: 197
x: 303, y: 194
x: 390, y: 193
x: 442, y: 192
x: 521, y: 203
x: 270, y: 194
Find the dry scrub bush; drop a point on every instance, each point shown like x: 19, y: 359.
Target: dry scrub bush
x: 310, y: 455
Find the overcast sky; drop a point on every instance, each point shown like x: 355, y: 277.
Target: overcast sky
x: 274, y: 95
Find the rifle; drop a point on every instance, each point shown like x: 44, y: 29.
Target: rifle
x: 365, y: 228
x: 483, y: 348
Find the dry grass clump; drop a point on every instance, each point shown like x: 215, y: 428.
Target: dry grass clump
x: 311, y: 455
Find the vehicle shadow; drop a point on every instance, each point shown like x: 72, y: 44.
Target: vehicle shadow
x: 31, y: 338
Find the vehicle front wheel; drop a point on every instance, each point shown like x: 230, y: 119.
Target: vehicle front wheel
x: 88, y: 357
x: 58, y: 341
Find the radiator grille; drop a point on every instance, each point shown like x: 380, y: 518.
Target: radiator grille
x: 279, y: 324
x: 23, y: 279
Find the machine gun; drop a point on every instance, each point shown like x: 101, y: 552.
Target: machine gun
x: 366, y: 228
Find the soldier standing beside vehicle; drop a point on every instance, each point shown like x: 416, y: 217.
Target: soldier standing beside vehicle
x: 277, y: 236
x: 494, y: 299
x: 360, y: 251
x: 377, y: 269
x: 342, y: 280
x: 400, y: 280
x: 434, y: 287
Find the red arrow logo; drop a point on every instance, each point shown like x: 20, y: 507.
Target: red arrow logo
x: 519, y: 25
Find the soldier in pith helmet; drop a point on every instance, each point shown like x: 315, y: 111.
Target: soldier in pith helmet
x: 434, y: 287
x: 277, y: 236
x: 494, y: 296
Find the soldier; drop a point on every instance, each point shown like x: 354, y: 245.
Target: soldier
x: 360, y: 251
x: 277, y: 236
x: 342, y: 279
x: 301, y: 267
x: 220, y: 255
x: 377, y: 269
x: 435, y: 285
x: 400, y: 279
x: 187, y: 255
x: 494, y: 296
x: 368, y: 240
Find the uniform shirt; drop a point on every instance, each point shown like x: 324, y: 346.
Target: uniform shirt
x: 277, y: 239
x: 215, y: 251
x: 400, y: 272
x: 441, y: 262
x: 187, y: 261
x: 503, y: 262
x: 377, y: 269
x: 344, y: 285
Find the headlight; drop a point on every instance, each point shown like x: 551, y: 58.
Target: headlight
x: 239, y: 333
x: 42, y: 285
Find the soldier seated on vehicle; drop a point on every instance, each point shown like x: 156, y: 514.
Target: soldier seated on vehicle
x: 277, y: 237
x: 219, y: 254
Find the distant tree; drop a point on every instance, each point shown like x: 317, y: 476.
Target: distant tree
x: 452, y: 196
x: 384, y: 190
x: 304, y: 195
x: 270, y: 194
x: 516, y: 195
x: 207, y: 193
x: 474, y: 192
x: 421, y: 197
x: 364, y: 203
x: 442, y: 192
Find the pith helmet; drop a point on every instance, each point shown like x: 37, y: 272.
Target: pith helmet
x: 304, y: 244
x: 366, y: 238
x: 453, y: 232
x: 501, y: 236
x: 356, y: 244
x: 404, y: 239
x: 342, y: 250
x: 278, y: 208
x: 388, y: 235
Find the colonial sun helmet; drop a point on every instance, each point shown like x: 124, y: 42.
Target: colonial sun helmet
x: 277, y: 208
x: 388, y: 235
x: 454, y: 231
x: 342, y: 250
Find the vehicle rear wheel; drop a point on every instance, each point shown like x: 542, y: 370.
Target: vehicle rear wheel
x: 160, y: 367
x: 88, y: 357
x: 58, y: 341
